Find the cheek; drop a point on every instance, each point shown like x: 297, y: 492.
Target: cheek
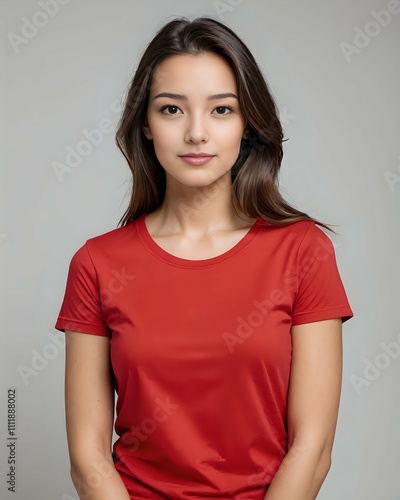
x: 168, y: 129
x: 163, y: 138
x: 229, y: 133
x: 230, y: 140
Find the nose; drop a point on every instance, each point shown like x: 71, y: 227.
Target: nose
x: 196, y: 131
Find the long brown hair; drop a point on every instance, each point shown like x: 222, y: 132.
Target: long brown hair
x: 255, y: 190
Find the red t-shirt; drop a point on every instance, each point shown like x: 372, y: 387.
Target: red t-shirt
x: 201, y: 351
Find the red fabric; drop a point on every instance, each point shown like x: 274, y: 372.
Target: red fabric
x: 201, y: 351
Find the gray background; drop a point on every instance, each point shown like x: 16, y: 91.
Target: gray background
x: 341, y: 165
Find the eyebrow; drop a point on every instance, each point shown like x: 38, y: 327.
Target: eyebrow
x: 184, y: 98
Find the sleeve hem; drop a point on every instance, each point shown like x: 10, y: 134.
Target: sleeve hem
x: 343, y: 312
x: 63, y: 324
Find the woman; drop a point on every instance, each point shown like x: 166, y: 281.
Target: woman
x: 215, y: 311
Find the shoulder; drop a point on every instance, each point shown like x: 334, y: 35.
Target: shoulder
x: 301, y: 234
x: 109, y: 245
x: 113, y: 237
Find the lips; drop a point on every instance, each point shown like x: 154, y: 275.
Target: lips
x: 197, y: 159
x: 196, y: 155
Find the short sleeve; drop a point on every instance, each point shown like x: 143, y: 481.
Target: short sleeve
x: 320, y: 291
x: 81, y: 307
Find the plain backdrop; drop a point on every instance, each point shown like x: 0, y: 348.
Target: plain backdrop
x: 334, y: 70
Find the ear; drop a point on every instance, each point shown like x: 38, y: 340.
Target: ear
x: 146, y: 131
x: 246, y: 132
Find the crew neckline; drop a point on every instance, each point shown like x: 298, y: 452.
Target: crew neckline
x: 162, y: 254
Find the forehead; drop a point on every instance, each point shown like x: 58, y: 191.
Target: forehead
x: 204, y: 72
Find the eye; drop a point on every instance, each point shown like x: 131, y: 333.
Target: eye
x: 222, y: 109
x: 171, y: 108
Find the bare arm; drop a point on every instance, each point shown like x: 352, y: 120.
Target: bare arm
x: 313, y: 404
x: 89, y: 411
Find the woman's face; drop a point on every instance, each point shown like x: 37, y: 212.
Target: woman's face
x: 196, y: 119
